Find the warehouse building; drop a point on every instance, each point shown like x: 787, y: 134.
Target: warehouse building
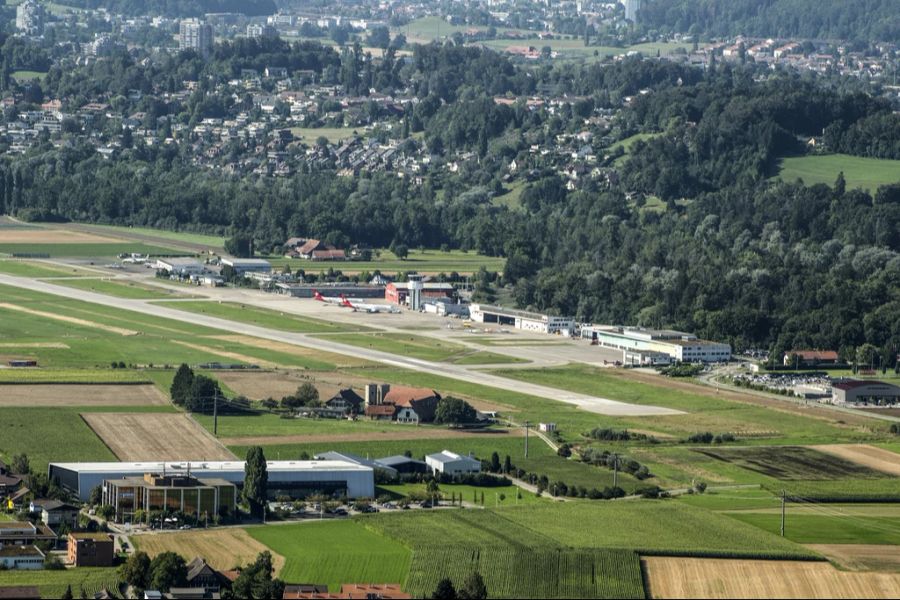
x: 247, y: 265
x: 865, y: 393
x: 289, y: 477
x: 678, y: 345
x: 181, y: 267
x: 521, y: 319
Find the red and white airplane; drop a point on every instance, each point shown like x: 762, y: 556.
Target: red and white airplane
x: 328, y: 299
x: 369, y: 308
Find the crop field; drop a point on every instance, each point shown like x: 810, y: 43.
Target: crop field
x: 859, y: 172
x: 53, y: 584
x: 791, y: 463
x: 427, y: 261
x: 879, y: 459
x: 223, y: 549
x: 65, y: 376
x: 29, y: 395
x: 335, y: 552
x: 25, y: 268
x: 827, y: 525
x: 155, y: 437
x: 264, y: 317
x: 511, y: 572
x: 121, y: 288
x: 720, y: 578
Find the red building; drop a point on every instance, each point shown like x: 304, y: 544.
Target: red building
x: 397, y: 292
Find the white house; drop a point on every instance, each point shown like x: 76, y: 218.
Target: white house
x: 451, y: 463
x: 21, y: 557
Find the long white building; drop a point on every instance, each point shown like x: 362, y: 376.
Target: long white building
x: 520, y: 319
x: 678, y: 345
x: 291, y: 477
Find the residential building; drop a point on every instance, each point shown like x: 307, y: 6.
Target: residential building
x: 346, y: 401
x: 55, y: 513
x: 206, y: 497
x: 680, y: 346
x: 21, y: 557
x: 451, y: 463
x: 202, y: 576
x: 9, y: 482
x: 194, y: 34
x: 91, y: 550
x: 288, y: 477
x: 403, y: 404
x: 810, y: 358
x: 30, y: 17
x: 520, y: 319
x: 23, y: 533
x: 865, y: 393
x: 631, y: 9
x: 261, y: 30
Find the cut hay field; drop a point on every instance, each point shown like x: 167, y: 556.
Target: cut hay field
x: 223, y: 549
x: 155, y: 437
x: 859, y: 172
x: 30, y: 395
x: 335, y: 552
x: 826, y: 525
x: 161, y: 234
x: 670, y: 577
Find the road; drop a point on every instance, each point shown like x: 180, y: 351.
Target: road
x: 593, y: 404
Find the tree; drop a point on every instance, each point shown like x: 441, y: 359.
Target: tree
x: 444, y: 590
x: 308, y: 394
x: 401, y: 251
x: 454, y: 411
x: 495, y: 462
x: 380, y: 37
x: 181, y: 385
x: 20, y: 464
x: 255, y: 580
x: 507, y: 465
x: 239, y: 245
x: 136, y: 570
x: 96, y: 495
x: 167, y: 570
x: 473, y: 587
x: 67, y: 595
x: 204, y: 390
x: 256, y: 481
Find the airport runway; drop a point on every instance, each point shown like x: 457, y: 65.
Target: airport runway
x: 593, y: 404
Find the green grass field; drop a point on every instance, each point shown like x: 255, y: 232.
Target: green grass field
x: 107, y: 375
x: 428, y: 261
x: 859, y: 172
x: 25, y: 268
x: 213, y: 241
x: 512, y: 495
x: 53, y: 584
x: 335, y: 552
x: 273, y: 425
x: 121, y: 289
x: 28, y: 75
x: 425, y: 348
x: 569, y: 49
x: 827, y: 527
x: 265, y: 318
x: 309, y: 135
x: 99, y: 250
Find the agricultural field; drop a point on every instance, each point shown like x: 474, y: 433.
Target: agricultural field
x: 792, y: 463
x: 223, y: 548
x: 121, y: 288
x: 85, y: 581
x: 861, y: 557
x: 33, y: 395
x: 879, y: 459
x: 720, y: 578
x: 136, y: 437
x: 425, y: 261
x: 575, y: 48
x: 69, y: 376
x: 511, y: 495
x: 859, y: 172
x: 828, y: 524
x: 335, y: 552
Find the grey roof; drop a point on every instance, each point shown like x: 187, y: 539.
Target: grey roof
x: 354, y: 458
x: 399, y: 459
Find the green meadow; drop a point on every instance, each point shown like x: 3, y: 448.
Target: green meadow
x: 859, y: 172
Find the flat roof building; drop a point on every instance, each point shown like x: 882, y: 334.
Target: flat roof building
x: 21, y: 557
x: 91, y: 550
x: 521, y: 319
x: 291, y: 477
x: 180, y: 266
x: 679, y: 345
x: 248, y: 265
x: 865, y: 393
x: 205, y: 497
x: 451, y: 463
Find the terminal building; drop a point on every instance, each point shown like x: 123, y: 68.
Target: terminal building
x: 865, y: 393
x: 520, y: 319
x: 416, y: 291
x: 651, y: 346
x: 286, y: 477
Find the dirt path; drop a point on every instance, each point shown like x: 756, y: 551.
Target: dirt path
x: 671, y: 577
x: 65, y: 319
x: 366, y: 436
x: 863, y: 454
x: 151, y: 437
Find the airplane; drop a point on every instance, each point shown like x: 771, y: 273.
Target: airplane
x: 328, y: 299
x: 369, y: 308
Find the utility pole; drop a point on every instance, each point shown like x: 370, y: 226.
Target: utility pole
x: 615, y: 470
x: 216, y: 413
x: 526, y: 439
x: 783, y: 501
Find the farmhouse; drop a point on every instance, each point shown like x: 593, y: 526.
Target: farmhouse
x: 865, y: 393
x: 346, y: 401
x: 313, y: 250
x: 451, y: 463
x: 21, y: 557
x: 520, y: 319
x: 810, y: 358
x: 678, y: 345
x: 289, y: 477
x: 182, y: 493
x: 401, y: 403
x: 91, y: 550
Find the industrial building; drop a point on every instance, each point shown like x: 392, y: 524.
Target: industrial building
x: 176, y: 493
x: 521, y: 319
x: 451, y: 463
x: 247, y: 265
x: 290, y: 477
x: 865, y: 393
x: 182, y: 267
x: 645, y: 346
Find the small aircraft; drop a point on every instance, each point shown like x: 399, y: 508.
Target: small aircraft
x: 370, y: 308
x: 328, y: 299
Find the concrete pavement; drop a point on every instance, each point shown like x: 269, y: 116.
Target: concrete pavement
x: 593, y: 404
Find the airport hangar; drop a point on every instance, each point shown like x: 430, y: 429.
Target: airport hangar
x: 288, y: 477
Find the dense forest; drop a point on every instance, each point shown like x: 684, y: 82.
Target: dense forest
x: 864, y: 20
x: 731, y: 255
x: 179, y: 8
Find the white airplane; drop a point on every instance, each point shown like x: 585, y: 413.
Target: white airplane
x: 328, y: 299
x: 370, y: 308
